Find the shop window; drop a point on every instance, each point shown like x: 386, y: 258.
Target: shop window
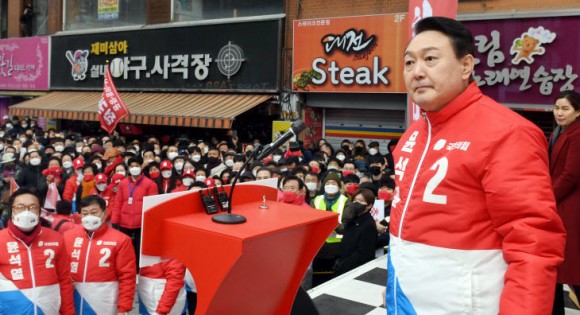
x: 196, y: 10
x: 95, y: 14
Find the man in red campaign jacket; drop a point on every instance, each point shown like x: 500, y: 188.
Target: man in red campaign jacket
x: 34, y: 267
x: 474, y: 228
x: 128, y: 207
x: 102, y: 262
x: 162, y: 288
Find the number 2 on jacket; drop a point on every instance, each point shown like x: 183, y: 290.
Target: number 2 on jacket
x: 428, y: 196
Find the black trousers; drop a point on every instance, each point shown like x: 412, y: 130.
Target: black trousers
x: 135, y: 235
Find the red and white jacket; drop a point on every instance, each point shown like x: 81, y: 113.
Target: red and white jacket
x: 161, y: 288
x: 102, y: 266
x: 474, y: 228
x: 127, y: 209
x: 34, y: 279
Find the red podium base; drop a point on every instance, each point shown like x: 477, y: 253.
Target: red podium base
x: 250, y: 268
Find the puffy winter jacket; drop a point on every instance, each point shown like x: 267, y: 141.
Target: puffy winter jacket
x: 473, y: 226
x: 161, y: 288
x: 34, y: 279
x: 103, y: 270
x: 128, y: 214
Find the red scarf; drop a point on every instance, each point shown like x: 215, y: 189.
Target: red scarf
x: 26, y: 237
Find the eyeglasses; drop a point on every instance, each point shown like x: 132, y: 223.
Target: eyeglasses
x: 21, y: 207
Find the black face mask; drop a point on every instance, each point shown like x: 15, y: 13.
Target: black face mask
x: 375, y: 170
x: 249, y: 153
x: 212, y: 160
x: 353, y: 211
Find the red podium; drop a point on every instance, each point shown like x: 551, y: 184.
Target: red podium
x: 251, y: 268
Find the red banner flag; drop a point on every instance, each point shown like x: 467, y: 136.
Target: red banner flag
x: 13, y: 186
x: 111, y: 107
x: 419, y: 9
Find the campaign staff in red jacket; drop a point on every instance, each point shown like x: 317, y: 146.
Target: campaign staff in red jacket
x: 34, y: 268
x: 474, y: 228
x: 128, y: 206
x: 162, y: 288
x: 102, y: 262
x: 565, y: 170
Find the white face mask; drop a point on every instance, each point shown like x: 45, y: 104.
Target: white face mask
x: 331, y: 189
x: 79, y: 149
x: 135, y: 171
x: 172, y: 155
x: 229, y: 163
x: 25, y: 220
x: 136, y: 147
x: 332, y: 167
x: 150, y: 161
x: 59, y: 148
x: 157, y: 152
x: 205, y: 150
x: 196, y: 158
x: 276, y: 158
x: 283, y: 170
x: 98, y: 165
x: 187, y: 181
x: 22, y: 140
x: 340, y: 157
x: 91, y: 222
x: 166, y: 174
x: 373, y: 151
x: 200, y: 178
x: 179, y: 166
x: 35, y: 161
x: 101, y: 187
x: 311, y: 186
x: 67, y: 164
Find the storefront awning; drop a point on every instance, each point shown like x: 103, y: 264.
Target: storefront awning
x: 170, y: 109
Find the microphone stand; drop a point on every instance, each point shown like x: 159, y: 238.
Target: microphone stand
x: 229, y: 218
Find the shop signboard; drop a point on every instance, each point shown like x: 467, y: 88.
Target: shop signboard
x: 24, y: 63
x: 228, y: 57
x: 526, y: 60
x: 361, y: 54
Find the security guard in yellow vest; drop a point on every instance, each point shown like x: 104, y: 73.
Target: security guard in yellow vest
x: 331, y: 200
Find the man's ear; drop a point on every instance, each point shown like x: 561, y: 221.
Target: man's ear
x: 467, y: 64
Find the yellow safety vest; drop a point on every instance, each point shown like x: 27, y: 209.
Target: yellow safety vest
x: 337, y: 207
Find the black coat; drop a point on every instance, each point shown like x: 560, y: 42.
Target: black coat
x: 358, y: 243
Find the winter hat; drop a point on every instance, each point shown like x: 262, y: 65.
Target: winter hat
x: 332, y: 175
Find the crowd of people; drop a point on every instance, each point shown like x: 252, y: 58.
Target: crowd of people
x: 91, y: 190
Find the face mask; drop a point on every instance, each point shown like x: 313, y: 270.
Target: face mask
x: 122, y: 173
x: 373, y: 151
x: 172, y: 155
x: 98, y: 165
x: 79, y: 149
x: 101, y: 187
x: 315, y: 169
x: 154, y: 175
x: 24, y: 126
x: 331, y: 189
x: 150, y: 161
x: 179, y: 166
x: 375, y: 170
x: 290, y: 196
x: 359, y: 174
x: 88, y: 177
x: 58, y: 148
x: 311, y: 186
x: 332, y: 167
x: 276, y: 158
x: 8, y: 126
x: 340, y: 157
x: 200, y: 178
x: 136, y: 147
x: 353, y: 211
x: 166, y: 174
x: 187, y: 181
x: 351, y: 188
x: 205, y: 150
x: 35, y: 161
x: 346, y: 173
x: 91, y: 222
x: 22, y: 140
x: 283, y: 170
x: 229, y: 163
x: 212, y: 160
x: 385, y: 195
x: 135, y: 171
x: 1, y: 146
x: 157, y: 152
x: 67, y: 164
x: 196, y: 158
x: 25, y: 220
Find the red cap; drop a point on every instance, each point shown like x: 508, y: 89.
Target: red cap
x: 166, y: 165
x: 188, y: 173
x: 117, y: 178
x: 100, y: 178
x: 78, y: 163
x: 209, y: 182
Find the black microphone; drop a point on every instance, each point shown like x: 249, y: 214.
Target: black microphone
x: 295, y: 129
